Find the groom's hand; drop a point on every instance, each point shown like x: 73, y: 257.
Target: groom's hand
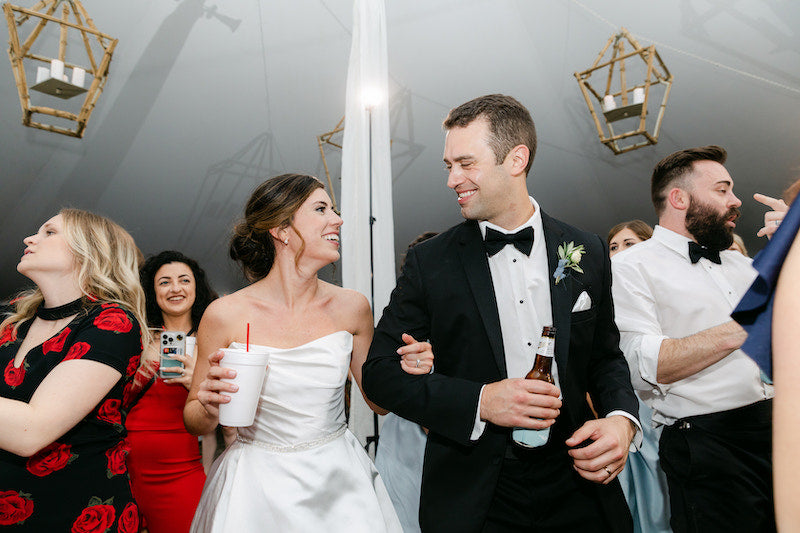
x: 524, y: 403
x: 604, y: 458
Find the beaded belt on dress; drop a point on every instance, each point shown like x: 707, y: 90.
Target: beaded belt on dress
x: 294, y: 447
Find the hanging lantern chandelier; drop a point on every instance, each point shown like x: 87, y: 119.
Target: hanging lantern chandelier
x: 624, y: 94
x: 47, y: 77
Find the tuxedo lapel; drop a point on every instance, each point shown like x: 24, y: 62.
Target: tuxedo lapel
x: 560, y: 294
x: 476, y: 266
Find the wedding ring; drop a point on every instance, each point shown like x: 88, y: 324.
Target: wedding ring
x: 777, y: 222
x: 417, y: 365
x: 607, y: 470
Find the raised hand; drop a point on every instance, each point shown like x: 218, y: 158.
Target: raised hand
x: 772, y: 219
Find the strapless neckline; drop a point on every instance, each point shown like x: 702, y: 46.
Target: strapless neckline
x: 299, y: 345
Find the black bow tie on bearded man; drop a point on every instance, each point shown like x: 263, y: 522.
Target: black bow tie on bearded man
x: 496, y: 240
x: 697, y: 251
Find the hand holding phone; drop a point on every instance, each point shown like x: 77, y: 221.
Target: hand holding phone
x: 172, y: 343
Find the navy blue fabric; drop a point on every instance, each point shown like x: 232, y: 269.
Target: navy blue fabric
x: 754, y: 311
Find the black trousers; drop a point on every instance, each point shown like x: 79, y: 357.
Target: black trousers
x: 719, y: 471
x: 540, y: 491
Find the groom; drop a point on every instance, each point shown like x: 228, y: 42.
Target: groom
x: 483, y: 306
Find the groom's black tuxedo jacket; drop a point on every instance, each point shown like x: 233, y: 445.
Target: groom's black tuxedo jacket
x: 445, y: 294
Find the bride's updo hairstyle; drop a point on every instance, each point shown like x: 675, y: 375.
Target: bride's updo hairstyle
x: 272, y: 205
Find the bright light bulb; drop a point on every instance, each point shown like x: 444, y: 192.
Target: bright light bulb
x: 372, y: 96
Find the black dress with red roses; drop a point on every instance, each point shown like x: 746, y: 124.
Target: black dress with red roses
x: 79, y: 483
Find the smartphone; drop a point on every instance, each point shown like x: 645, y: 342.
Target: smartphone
x: 172, y: 343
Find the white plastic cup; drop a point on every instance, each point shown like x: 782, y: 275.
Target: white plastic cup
x: 191, y: 344
x: 251, y: 370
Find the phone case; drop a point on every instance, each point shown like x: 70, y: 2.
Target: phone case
x: 172, y: 343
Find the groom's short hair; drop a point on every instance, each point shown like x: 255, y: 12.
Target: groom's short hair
x: 510, y: 123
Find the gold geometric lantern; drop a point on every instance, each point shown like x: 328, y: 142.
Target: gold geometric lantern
x: 630, y: 81
x: 327, y: 139
x: 51, y: 30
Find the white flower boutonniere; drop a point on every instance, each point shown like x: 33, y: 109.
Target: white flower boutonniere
x: 569, y: 256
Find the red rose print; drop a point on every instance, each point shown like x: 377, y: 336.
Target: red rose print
x: 94, y: 519
x: 113, y: 319
x: 116, y: 459
x: 49, y: 459
x: 109, y: 412
x: 133, y: 364
x: 56, y: 344
x: 77, y: 350
x: 129, y: 519
x: 7, y: 335
x: 127, y: 395
x: 15, y: 507
x: 14, y: 376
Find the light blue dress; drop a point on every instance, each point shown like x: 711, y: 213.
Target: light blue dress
x: 401, y: 451
x: 644, y: 483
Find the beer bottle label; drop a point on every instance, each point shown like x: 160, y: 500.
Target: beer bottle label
x: 546, y: 347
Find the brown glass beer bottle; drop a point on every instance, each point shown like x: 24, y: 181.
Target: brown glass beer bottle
x: 542, y: 370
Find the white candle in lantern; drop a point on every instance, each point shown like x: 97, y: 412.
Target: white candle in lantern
x: 609, y: 103
x: 57, y: 69
x: 78, y: 76
x: 638, y: 95
x: 42, y: 74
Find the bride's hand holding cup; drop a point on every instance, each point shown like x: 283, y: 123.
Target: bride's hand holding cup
x: 212, y: 387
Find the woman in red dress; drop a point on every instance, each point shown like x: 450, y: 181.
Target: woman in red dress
x: 165, y: 467
x: 66, y: 353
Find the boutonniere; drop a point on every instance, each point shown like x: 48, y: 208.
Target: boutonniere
x: 569, y: 256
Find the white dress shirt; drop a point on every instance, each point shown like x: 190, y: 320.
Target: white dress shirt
x: 522, y: 291
x: 658, y: 294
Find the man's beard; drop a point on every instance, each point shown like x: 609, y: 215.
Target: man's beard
x: 708, y: 227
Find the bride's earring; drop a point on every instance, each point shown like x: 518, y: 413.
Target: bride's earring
x: 286, y: 241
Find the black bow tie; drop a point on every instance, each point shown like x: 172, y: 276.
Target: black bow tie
x: 496, y: 240
x: 696, y: 252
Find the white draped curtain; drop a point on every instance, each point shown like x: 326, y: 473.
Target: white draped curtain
x: 367, y: 251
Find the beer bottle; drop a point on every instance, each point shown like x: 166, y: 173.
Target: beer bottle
x: 542, y: 369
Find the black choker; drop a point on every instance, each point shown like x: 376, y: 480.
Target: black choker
x: 62, y: 311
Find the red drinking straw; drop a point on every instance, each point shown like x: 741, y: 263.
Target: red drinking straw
x: 248, y: 337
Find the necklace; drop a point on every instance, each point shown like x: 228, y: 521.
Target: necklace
x: 62, y: 311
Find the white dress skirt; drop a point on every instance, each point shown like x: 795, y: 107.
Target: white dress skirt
x: 298, y: 468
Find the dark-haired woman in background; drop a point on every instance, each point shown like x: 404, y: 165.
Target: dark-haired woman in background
x: 297, y: 468
x: 66, y: 353
x: 165, y: 466
x: 642, y: 480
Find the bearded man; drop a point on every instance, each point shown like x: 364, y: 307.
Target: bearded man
x: 673, y: 296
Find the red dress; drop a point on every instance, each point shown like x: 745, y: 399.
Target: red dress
x: 164, y: 461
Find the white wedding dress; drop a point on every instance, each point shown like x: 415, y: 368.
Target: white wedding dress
x: 298, y: 468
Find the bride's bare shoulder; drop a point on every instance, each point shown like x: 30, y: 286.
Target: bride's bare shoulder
x: 226, y: 308
x: 347, y: 301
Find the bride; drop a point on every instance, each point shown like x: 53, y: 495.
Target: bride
x: 296, y: 468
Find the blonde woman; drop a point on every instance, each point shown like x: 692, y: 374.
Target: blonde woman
x: 66, y: 354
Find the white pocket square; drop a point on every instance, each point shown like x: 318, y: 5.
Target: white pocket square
x: 582, y: 303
